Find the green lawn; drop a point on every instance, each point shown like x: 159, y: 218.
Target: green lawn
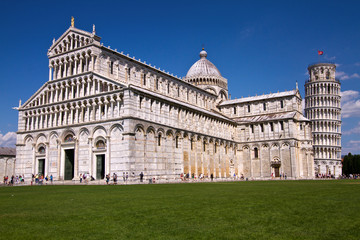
x: 239, y: 210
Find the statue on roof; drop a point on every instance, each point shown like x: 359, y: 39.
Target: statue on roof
x: 72, y: 21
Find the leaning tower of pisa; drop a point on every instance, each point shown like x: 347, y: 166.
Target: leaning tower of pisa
x: 322, y: 107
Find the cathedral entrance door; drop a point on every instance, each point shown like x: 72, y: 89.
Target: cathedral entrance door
x: 100, y: 166
x: 41, y: 166
x: 276, y: 171
x: 69, y: 164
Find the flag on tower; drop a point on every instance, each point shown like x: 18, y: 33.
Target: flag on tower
x: 320, y: 52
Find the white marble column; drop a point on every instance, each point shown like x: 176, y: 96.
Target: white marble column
x: 50, y: 72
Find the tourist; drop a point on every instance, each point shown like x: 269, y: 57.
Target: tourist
x: 141, y: 176
x: 107, y: 179
x: 133, y: 176
x: 124, y: 176
x: 81, y: 178
x: 212, y: 177
x: 127, y: 176
x: 115, y: 178
x: 51, y: 178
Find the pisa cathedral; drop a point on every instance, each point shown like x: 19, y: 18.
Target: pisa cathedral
x: 103, y: 112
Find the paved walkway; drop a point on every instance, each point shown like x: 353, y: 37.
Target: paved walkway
x: 149, y: 181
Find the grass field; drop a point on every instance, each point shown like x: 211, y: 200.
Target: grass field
x: 232, y: 210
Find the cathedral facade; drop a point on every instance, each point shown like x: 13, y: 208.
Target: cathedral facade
x: 103, y: 112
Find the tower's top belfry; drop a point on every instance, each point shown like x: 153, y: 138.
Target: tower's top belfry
x: 322, y: 72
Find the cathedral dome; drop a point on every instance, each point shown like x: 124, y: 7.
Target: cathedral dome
x: 203, y: 68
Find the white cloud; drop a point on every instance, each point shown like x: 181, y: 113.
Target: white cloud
x: 350, y: 104
x: 247, y: 32
x: 349, y: 95
x: 355, y: 130
x: 339, y: 74
x: 8, y: 140
x: 345, y: 76
x: 330, y: 58
x: 352, y: 146
x: 357, y: 64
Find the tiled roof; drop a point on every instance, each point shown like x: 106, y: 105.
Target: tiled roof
x: 260, y: 97
x: 265, y: 117
x: 7, y: 151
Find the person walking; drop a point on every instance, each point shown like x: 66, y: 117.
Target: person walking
x: 141, y: 176
x: 212, y: 177
x: 107, y: 179
x: 115, y: 178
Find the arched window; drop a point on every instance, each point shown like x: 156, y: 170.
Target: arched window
x: 41, y: 150
x: 100, y: 144
x: 256, y: 153
x: 177, y: 141
x: 69, y: 138
x: 159, y: 139
x: 111, y: 67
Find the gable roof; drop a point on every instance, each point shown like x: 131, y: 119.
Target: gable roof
x: 7, y: 151
x: 69, y: 32
x: 261, y: 97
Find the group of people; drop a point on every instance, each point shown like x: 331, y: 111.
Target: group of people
x: 350, y: 176
x: 281, y: 175
x: 186, y: 177
x: 86, y: 177
x: 13, y: 180
x: 323, y: 175
x: 40, y: 179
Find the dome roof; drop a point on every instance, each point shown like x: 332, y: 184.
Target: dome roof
x: 203, y: 67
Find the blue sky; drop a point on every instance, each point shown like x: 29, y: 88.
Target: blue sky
x: 259, y: 46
